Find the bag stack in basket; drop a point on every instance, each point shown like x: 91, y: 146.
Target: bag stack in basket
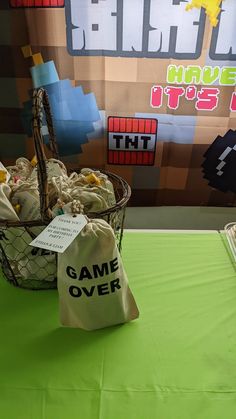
x: 20, y: 201
x: 92, y: 283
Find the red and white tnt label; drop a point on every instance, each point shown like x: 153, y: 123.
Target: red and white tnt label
x: 131, y: 140
x: 37, y: 3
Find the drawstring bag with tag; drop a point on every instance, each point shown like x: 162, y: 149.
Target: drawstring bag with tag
x: 93, y: 287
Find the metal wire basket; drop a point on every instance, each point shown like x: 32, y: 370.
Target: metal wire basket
x: 34, y: 268
x: 230, y: 231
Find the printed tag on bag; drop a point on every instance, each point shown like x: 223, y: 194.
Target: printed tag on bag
x: 60, y: 233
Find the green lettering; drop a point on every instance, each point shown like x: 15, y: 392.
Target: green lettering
x: 210, y: 74
x: 228, y: 76
x: 192, y: 75
x: 175, y: 74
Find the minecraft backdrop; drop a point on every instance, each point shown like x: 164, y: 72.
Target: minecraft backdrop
x: 142, y: 88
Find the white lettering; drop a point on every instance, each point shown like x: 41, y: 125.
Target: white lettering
x: 94, y: 26
x: 166, y: 31
x: 132, y: 27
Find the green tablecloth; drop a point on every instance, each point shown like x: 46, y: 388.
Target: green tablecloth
x: 178, y: 361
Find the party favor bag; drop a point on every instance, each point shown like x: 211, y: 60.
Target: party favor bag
x: 104, y: 185
x: 92, y: 283
x: 9, y: 237
x: 54, y: 168
x: 91, y: 200
x: 25, y: 195
x: 27, y: 263
x: 22, y: 169
x: 7, y: 211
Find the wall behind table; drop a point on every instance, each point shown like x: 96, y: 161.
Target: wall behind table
x: 108, y: 69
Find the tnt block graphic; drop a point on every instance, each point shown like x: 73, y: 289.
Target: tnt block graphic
x: 37, y: 3
x: 131, y: 141
x: 74, y: 112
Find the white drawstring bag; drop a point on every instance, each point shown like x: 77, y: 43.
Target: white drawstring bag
x: 95, y: 181
x: 22, y: 169
x: 54, y: 168
x: 37, y: 264
x: 4, y: 174
x: 60, y: 208
x: 7, y: 211
x: 93, y: 189
x: 26, y: 262
x: 10, y: 237
x: 90, y: 199
x: 92, y: 283
x: 58, y: 188
x: 104, y: 185
x: 26, y: 196
x: 77, y: 179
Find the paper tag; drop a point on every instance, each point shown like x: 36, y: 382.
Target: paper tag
x: 60, y: 233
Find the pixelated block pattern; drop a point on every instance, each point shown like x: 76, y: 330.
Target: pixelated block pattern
x: 27, y: 51
x: 130, y: 148
x: 212, y: 8
x: 37, y: 3
x: 74, y: 112
x: 173, y: 128
x: 37, y: 59
x: 44, y: 74
x: 183, y: 136
x: 146, y: 177
x: 219, y: 166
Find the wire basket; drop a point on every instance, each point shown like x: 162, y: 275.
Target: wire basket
x: 35, y: 268
x: 230, y: 231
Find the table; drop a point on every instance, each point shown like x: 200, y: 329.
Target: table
x: 177, y: 361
